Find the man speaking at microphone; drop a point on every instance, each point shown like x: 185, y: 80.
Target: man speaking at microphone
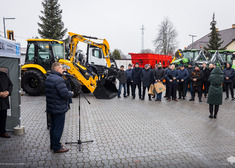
x: 57, y: 104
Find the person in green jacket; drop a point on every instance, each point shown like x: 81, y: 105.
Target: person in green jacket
x: 215, y: 93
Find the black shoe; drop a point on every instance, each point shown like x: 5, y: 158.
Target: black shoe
x: 191, y: 99
x: 141, y: 98
x: 226, y: 98
x: 215, y: 116
x: 211, y: 116
x: 233, y: 98
x: 150, y: 99
x: 119, y: 96
x: 200, y: 100
x: 125, y: 96
x: 128, y: 95
x: 133, y: 97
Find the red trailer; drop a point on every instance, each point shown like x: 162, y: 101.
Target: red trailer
x: 152, y: 59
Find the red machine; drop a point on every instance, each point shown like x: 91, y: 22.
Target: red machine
x: 152, y: 59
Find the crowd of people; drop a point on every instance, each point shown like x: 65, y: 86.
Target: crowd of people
x: 182, y: 79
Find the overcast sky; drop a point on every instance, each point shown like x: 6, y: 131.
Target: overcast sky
x: 120, y: 21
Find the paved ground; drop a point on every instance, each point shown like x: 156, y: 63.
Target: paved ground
x: 126, y: 133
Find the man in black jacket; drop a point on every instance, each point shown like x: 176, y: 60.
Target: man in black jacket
x: 57, y: 100
x: 136, y: 80
x: 197, y: 77
x: 129, y: 79
x: 205, y: 78
x: 121, y: 76
x: 190, y: 69
x: 147, y: 79
x: 228, y: 80
x: 5, y: 91
x: 158, y: 75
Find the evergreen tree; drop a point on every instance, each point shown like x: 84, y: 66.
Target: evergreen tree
x: 116, y: 54
x: 52, y: 26
x: 215, y: 40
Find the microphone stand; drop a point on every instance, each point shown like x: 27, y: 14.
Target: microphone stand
x: 79, y: 142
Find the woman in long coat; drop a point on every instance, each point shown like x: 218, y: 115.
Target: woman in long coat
x: 215, y: 93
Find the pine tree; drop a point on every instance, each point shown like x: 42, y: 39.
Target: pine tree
x: 215, y: 40
x: 52, y: 26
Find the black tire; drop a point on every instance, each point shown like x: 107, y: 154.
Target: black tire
x: 76, y: 86
x: 85, y: 89
x: 33, y: 82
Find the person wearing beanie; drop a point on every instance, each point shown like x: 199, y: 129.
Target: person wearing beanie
x: 129, y: 79
x: 197, y: 77
x: 228, y: 80
x: 215, y: 93
x: 136, y: 80
x: 121, y: 76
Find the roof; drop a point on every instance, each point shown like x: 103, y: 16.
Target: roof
x: 60, y: 42
x: 227, y: 36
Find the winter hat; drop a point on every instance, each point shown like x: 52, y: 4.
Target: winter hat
x: 136, y: 63
x: 129, y: 65
x: 122, y: 66
x: 146, y: 65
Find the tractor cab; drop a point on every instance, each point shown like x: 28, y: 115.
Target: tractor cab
x: 44, y: 52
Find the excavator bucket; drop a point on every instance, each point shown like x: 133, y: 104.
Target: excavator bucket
x: 105, y: 90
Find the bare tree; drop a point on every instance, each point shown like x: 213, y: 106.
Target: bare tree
x: 166, y: 42
x: 146, y: 51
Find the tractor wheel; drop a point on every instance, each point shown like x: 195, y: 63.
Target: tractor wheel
x: 33, y: 82
x: 85, y: 89
x: 76, y: 86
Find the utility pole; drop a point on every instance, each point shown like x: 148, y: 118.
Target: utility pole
x: 142, y: 29
x: 4, y: 25
x: 192, y: 39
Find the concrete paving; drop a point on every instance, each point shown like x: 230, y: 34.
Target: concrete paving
x: 126, y: 133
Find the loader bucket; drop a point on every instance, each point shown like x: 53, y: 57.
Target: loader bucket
x: 105, y: 90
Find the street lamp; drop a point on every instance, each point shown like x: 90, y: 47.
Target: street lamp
x: 192, y: 39
x: 4, y: 25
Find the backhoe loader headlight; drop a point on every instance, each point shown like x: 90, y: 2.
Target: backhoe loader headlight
x: 106, y: 71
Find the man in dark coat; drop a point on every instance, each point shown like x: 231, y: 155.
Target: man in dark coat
x: 147, y: 79
x: 172, y: 77
x: 210, y: 69
x: 158, y: 75
x: 183, y: 76
x: 5, y: 91
x: 57, y: 100
x: 205, y: 78
x: 129, y: 79
x: 136, y: 80
x: 190, y: 69
x: 228, y: 80
x: 167, y: 82
x: 121, y: 76
x: 197, y: 77
x: 215, y: 93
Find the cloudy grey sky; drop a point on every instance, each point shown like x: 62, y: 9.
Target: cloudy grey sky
x: 120, y: 21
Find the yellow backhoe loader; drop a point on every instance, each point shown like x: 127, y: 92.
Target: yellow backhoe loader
x: 40, y: 55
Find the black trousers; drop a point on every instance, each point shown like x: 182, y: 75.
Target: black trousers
x: 144, y: 90
x: 205, y: 83
x: 181, y: 89
x: 134, y: 87
x: 167, y: 89
x: 3, y: 119
x: 129, y: 84
x: 172, y: 91
x: 56, y: 130
x: 228, y: 86
x: 211, y: 107
x: 199, y: 91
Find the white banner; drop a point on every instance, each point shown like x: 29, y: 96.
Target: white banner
x: 9, y: 48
